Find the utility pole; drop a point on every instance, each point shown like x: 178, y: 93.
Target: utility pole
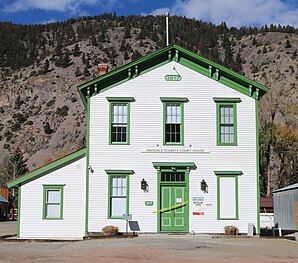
x: 167, y: 28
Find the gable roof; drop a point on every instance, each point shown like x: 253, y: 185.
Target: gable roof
x: 47, y: 168
x: 165, y: 55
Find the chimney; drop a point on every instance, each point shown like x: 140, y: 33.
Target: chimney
x: 102, y: 69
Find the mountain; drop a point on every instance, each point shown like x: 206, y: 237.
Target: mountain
x: 41, y: 65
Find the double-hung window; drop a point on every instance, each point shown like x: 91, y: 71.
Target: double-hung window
x: 173, y: 120
x: 226, y: 120
x: 118, y: 191
x: 53, y: 201
x: 119, y: 124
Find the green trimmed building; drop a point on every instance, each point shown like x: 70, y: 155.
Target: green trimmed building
x: 172, y: 140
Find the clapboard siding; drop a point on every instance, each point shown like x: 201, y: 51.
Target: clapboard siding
x: 72, y: 176
x: 146, y: 131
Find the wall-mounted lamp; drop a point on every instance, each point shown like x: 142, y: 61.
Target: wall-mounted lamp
x: 91, y: 169
x: 144, y: 185
x: 174, y: 169
x: 204, y: 186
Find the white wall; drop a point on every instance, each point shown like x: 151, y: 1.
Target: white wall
x: 72, y: 176
x: 147, y: 131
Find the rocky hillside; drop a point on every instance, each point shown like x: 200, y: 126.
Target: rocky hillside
x: 42, y: 114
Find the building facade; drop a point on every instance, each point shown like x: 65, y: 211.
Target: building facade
x: 172, y: 140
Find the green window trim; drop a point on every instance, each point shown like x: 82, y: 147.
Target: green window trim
x: 225, y: 174
x: 118, y: 173
x: 226, y: 102
x: 52, y: 187
x: 120, y: 99
x: 173, y: 101
x: 115, y: 101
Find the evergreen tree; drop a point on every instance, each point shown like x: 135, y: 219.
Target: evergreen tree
x: 13, y: 167
x: 46, y: 66
x: 76, y: 51
x: 125, y: 55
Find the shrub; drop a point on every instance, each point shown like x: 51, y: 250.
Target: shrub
x: 62, y: 111
x: 21, y: 118
x: 15, y: 127
x: 231, y: 230
x: 50, y: 103
x: 28, y: 123
x: 110, y: 230
x: 47, y: 128
x: 6, y: 146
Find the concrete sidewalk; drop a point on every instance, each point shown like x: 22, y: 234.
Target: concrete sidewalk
x: 8, y: 228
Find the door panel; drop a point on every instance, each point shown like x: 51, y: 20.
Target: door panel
x: 173, y: 219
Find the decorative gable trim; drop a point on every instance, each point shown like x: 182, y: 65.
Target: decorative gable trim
x: 164, y: 56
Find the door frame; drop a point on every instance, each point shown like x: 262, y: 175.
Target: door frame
x: 160, y: 184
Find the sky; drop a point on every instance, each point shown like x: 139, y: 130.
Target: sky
x: 234, y: 12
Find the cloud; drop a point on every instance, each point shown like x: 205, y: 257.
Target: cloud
x: 71, y: 6
x: 237, y: 13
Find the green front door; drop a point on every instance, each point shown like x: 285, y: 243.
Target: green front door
x: 173, y: 195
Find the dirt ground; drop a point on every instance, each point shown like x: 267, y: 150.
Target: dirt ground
x: 8, y: 228
x: 154, y: 248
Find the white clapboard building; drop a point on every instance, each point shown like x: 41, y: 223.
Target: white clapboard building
x: 172, y: 140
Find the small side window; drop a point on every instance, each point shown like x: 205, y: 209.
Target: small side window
x: 53, y: 202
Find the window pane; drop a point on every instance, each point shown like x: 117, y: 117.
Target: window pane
x: 118, y: 206
x: 53, y: 196
x: 53, y: 211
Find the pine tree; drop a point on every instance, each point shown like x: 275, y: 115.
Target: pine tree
x: 76, y: 51
x: 13, y: 167
x: 46, y: 66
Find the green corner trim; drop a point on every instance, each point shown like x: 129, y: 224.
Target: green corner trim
x: 121, y: 99
x: 218, y: 118
x: 87, y: 166
x: 173, y: 99
x: 19, y: 211
x: 228, y: 173
x: 223, y: 174
x: 124, y: 172
x: 163, y: 56
x: 236, y: 100
x: 48, y: 168
x: 258, y: 167
x: 120, y: 173
x: 44, y: 208
x: 158, y: 165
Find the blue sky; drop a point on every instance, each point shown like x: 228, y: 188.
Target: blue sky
x: 234, y: 12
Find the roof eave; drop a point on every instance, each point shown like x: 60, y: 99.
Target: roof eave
x: 46, y: 169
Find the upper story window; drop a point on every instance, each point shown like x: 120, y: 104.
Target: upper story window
x: 173, y: 123
x: 226, y: 120
x: 119, y: 124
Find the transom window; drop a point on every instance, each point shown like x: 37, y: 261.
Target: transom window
x: 119, y: 122
x: 172, y: 177
x: 53, y: 202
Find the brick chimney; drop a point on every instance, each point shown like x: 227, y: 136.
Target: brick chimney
x: 102, y: 69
